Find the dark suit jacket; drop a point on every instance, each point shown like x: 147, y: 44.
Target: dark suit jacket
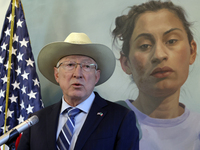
x: 115, y: 130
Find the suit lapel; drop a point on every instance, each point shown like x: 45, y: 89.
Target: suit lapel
x: 93, y: 119
x: 51, y: 125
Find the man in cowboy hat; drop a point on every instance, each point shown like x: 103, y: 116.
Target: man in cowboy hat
x: 77, y: 66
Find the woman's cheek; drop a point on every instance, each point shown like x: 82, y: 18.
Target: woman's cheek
x: 139, y: 63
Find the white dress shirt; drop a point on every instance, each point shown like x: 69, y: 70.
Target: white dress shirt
x: 79, y: 119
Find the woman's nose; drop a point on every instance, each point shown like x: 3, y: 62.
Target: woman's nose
x: 160, y: 53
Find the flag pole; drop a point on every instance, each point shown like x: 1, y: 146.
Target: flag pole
x: 9, y: 65
x: 9, y: 61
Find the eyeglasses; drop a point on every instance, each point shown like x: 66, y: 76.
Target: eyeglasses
x: 70, y: 65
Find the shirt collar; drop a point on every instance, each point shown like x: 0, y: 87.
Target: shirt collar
x: 84, y: 106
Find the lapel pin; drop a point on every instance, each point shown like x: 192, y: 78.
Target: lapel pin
x: 100, y: 114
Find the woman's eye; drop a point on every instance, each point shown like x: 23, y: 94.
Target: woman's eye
x: 145, y: 46
x: 172, y: 41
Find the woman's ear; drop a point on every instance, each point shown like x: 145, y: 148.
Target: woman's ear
x: 193, y: 51
x: 125, y: 63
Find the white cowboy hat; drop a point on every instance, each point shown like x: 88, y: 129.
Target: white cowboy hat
x: 76, y: 44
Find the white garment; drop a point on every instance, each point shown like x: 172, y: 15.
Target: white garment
x: 181, y: 133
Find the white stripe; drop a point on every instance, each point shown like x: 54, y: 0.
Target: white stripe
x: 69, y: 131
x: 65, y: 137
x: 58, y: 147
x: 63, y: 146
x: 71, y: 122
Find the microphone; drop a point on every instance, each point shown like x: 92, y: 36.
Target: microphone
x: 11, y: 135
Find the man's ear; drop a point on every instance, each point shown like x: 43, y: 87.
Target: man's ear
x: 97, y: 76
x: 56, y: 74
x: 193, y: 51
x: 125, y: 64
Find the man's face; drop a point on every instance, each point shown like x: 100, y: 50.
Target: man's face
x: 76, y: 84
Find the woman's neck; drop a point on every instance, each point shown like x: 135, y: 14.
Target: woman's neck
x: 159, y: 107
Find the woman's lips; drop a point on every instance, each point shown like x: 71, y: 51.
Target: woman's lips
x: 162, y: 72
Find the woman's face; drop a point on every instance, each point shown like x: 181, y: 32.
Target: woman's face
x: 160, y: 53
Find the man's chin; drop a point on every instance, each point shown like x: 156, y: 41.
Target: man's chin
x: 77, y: 96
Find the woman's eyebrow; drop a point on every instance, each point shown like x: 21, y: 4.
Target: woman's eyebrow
x: 171, y: 30
x: 150, y: 36
x: 147, y: 35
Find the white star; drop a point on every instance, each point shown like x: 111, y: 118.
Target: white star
x: 4, y: 46
x: 32, y: 95
x: 29, y: 109
x: 13, y: 98
x: 7, y: 32
x: 19, y: 23
x: 16, y: 5
x: 1, y: 60
x: 9, y: 113
x: 19, y: 56
x: 15, y: 38
x: 22, y: 105
x: 23, y: 90
x: 30, y: 62
x: 10, y: 17
x: 5, y: 79
x: 42, y: 103
x: 6, y: 128
x: 18, y: 70
x: 2, y: 93
x: 7, y: 66
x: 20, y: 119
x: 23, y: 43
x: 14, y: 51
x: 36, y: 82
x: 25, y: 75
x: 16, y: 85
x: 1, y: 108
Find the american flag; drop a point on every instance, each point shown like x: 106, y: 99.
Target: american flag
x: 24, y: 91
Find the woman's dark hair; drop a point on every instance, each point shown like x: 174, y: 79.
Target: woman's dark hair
x: 125, y: 24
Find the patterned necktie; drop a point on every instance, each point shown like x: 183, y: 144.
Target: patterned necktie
x: 65, y: 136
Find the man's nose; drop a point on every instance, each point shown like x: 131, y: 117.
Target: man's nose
x: 78, y: 71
